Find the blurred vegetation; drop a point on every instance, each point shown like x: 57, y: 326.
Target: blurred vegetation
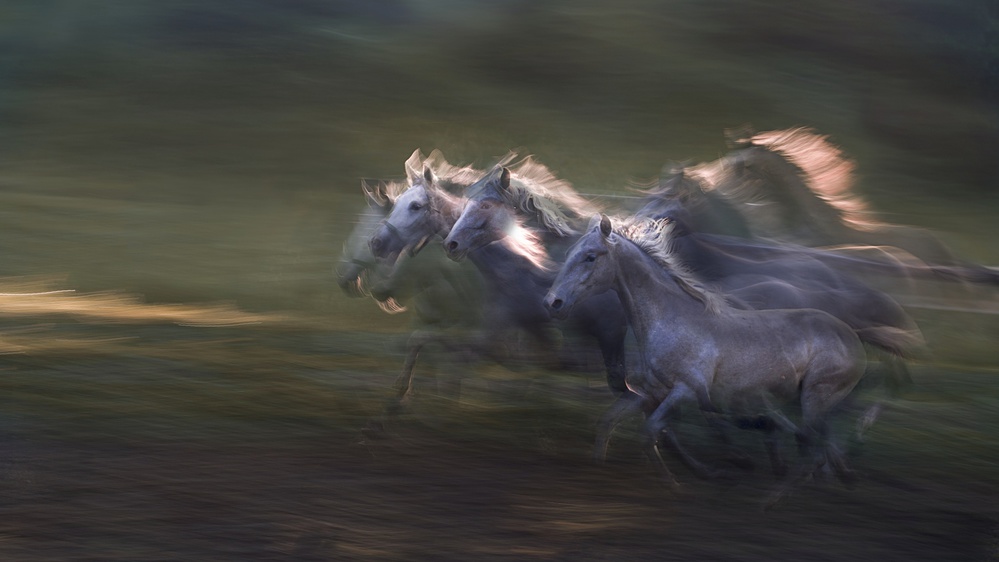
x: 321, y: 88
x: 256, y: 118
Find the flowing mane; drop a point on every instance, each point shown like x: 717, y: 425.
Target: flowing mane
x: 449, y: 176
x: 524, y: 242
x: 827, y: 171
x: 383, y: 191
x: 655, y: 238
x: 817, y: 185
x: 534, y: 189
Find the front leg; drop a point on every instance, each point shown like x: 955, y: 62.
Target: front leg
x: 625, y: 405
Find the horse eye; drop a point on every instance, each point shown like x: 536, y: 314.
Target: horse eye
x: 414, y: 206
x: 591, y: 257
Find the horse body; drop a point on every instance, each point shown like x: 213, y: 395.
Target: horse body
x: 768, y: 275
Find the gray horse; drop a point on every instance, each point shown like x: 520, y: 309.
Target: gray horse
x: 430, y: 286
x: 517, y: 272
x: 697, y: 348
x: 794, y: 185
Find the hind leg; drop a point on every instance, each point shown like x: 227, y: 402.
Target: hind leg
x: 813, y: 455
x: 897, y: 380
x: 821, y: 392
x: 820, y: 395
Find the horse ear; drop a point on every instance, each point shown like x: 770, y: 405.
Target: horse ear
x: 505, y: 179
x: 605, y: 226
x: 375, y: 194
x: 428, y: 175
x: 414, y: 165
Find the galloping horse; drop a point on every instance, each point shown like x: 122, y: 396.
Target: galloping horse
x: 695, y: 347
x: 794, y: 185
x: 516, y: 273
x: 769, y: 275
x: 434, y: 288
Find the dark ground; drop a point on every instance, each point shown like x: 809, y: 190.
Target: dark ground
x: 245, y: 445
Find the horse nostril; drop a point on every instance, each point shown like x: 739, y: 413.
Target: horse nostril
x: 376, y: 244
x: 452, y: 246
x: 556, y: 304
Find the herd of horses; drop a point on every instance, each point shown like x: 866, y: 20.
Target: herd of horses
x: 755, y: 287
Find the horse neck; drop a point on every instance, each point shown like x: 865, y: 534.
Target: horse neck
x: 448, y: 210
x: 649, y: 293
x: 509, y: 275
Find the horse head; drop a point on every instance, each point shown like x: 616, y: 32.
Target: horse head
x: 357, y: 261
x: 407, y: 227
x: 486, y: 217
x: 588, y: 268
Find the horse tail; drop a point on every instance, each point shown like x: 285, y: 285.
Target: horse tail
x: 896, y: 341
x: 978, y: 274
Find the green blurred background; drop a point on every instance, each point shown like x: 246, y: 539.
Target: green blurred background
x: 213, y: 149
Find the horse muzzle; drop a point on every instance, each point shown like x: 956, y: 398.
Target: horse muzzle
x: 454, y: 250
x: 557, y: 307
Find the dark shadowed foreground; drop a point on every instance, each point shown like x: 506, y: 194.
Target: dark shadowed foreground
x: 149, y: 440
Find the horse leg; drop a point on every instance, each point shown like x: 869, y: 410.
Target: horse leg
x: 404, y: 383
x: 403, y: 386
x: 662, y: 428
x: 897, y: 379
x: 625, y: 405
x: 806, y: 439
x: 771, y: 440
x: 614, y: 362
x: 655, y: 425
x: 867, y: 419
x: 791, y: 479
x: 821, y: 392
x: 612, y: 347
x: 721, y: 425
x: 777, y: 462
